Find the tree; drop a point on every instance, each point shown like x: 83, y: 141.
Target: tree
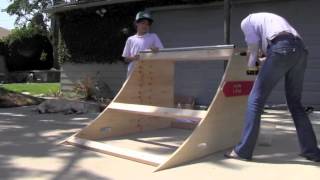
x: 29, y: 11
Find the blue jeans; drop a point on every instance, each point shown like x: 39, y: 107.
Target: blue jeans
x: 285, y: 58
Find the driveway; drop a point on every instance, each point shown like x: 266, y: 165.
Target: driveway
x: 29, y: 149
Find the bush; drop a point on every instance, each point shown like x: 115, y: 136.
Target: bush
x: 19, y: 34
x: 3, y: 48
x: 27, y: 48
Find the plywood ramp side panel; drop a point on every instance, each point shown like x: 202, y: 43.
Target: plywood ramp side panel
x: 139, y: 88
x: 91, y: 131
x: 237, y: 69
x: 151, y: 83
x: 205, y: 54
x: 222, y: 127
x: 220, y: 130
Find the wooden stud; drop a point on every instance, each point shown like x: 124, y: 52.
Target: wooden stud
x: 174, y: 113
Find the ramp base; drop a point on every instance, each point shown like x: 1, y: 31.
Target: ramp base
x: 150, y: 147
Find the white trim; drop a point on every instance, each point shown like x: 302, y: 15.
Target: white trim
x: 213, y: 4
x: 82, y: 5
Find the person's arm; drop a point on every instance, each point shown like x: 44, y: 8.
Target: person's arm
x: 128, y: 57
x: 157, y: 44
x: 253, y: 50
x: 253, y: 40
x: 132, y: 58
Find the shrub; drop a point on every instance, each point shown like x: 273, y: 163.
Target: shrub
x: 3, y: 48
x: 27, y: 48
x: 19, y: 34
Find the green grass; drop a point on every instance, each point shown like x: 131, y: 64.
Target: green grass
x: 48, y: 89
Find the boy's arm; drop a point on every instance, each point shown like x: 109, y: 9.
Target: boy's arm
x: 157, y: 44
x: 128, y: 57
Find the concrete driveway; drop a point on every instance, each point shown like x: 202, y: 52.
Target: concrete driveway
x: 29, y: 150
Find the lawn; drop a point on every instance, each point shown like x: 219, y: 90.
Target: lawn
x: 34, y: 88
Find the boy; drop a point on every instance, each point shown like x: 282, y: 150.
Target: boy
x: 142, y: 40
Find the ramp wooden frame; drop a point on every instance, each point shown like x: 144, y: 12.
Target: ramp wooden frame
x: 145, y: 103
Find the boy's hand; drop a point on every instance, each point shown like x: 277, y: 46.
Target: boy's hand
x: 154, y: 49
x: 131, y: 59
x: 136, y: 57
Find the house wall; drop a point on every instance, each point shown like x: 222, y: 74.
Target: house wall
x: 193, y: 27
x: 112, y: 74
x: 203, y: 25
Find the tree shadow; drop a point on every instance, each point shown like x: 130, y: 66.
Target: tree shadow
x: 284, y: 147
x: 27, y: 135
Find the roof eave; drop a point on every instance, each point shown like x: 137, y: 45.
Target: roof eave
x: 83, y: 5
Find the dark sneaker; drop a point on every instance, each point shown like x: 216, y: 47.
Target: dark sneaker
x: 311, y: 158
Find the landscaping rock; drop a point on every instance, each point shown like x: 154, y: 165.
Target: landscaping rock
x: 69, y: 107
x: 13, y: 99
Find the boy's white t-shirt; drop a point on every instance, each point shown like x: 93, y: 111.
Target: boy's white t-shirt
x: 137, y: 43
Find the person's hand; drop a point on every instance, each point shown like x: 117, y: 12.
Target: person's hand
x: 252, y: 71
x: 154, y: 49
x: 262, y: 57
x: 136, y: 57
x: 131, y: 59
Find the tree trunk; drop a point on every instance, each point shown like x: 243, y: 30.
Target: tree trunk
x: 55, y: 40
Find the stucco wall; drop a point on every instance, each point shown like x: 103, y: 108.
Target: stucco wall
x: 113, y: 74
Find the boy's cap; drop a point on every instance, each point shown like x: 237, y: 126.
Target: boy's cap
x: 144, y: 15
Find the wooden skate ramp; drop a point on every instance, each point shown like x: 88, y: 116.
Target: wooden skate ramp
x: 138, y: 123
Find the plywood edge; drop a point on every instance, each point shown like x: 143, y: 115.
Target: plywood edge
x: 159, y: 111
x: 124, y: 153
x: 221, y: 52
x: 204, y: 55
